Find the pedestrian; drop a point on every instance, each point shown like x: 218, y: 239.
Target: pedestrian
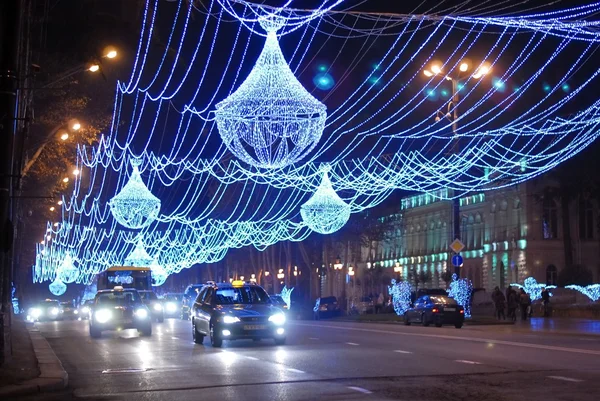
x: 546, y: 301
x: 513, y: 304
x: 499, y: 300
x: 379, y: 305
x: 525, y: 302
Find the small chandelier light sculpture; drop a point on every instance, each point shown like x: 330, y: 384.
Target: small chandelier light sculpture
x: 139, y: 257
x: 68, y: 272
x: 135, y: 206
x: 325, y: 212
x: 159, y: 274
x: 271, y: 121
x: 57, y: 287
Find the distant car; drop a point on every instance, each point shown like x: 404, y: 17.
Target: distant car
x: 154, y: 304
x: 46, y: 310
x: 172, y: 304
x: 365, y: 305
x: 85, y: 309
x: 69, y: 311
x: 326, y: 307
x: 278, y: 301
x: 119, y: 308
x: 236, y: 311
x: 436, y: 309
x: 189, y: 296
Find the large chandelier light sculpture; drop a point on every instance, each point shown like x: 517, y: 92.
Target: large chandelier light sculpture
x: 159, y: 274
x: 271, y: 121
x: 68, y: 272
x: 325, y: 212
x: 139, y: 257
x: 135, y: 206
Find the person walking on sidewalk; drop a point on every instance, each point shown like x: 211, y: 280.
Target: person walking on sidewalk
x: 513, y: 304
x: 499, y: 300
x: 546, y: 301
x: 525, y: 301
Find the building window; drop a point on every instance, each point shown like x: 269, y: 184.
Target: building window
x: 586, y: 219
x: 549, y: 219
x: 551, y: 274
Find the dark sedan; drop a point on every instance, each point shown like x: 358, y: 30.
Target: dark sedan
x: 154, y: 305
x: 326, y: 307
x: 118, y: 309
x: 172, y: 304
x: 236, y: 311
x: 69, y: 311
x: 436, y: 309
x: 46, y: 310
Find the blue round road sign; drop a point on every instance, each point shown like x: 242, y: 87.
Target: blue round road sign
x: 457, y: 260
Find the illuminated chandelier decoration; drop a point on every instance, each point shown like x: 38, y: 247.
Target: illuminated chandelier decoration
x: 159, y: 274
x: 57, y: 287
x: 135, y: 206
x: 271, y: 121
x: 325, y: 212
x: 68, y: 272
x: 139, y: 257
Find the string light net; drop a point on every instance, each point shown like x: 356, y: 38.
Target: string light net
x: 400, y: 293
x: 271, y: 121
x: 325, y: 212
x: 68, y: 272
x: 57, y: 287
x: 460, y: 290
x: 139, y: 257
x: 135, y: 206
x: 591, y: 291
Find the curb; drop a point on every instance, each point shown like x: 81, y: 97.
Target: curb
x: 53, y: 376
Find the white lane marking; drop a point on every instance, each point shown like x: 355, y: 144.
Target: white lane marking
x: 352, y: 343
x: 295, y: 370
x: 313, y: 338
x: 252, y: 358
x: 175, y: 338
x: 567, y: 379
x: 468, y: 362
x: 447, y: 337
x: 402, y: 352
x: 360, y: 389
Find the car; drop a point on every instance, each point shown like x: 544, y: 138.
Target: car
x: 236, y: 311
x: 277, y: 300
x: 84, y: 309
x: 436, y: 309
x: 172, y: 304
x: 154, y: 304
x: 119, y: 308
x: 47, y: 310
x: 326, y: 307
x: 189, y: 296
x: 365, y: 305
x: 69, y: 311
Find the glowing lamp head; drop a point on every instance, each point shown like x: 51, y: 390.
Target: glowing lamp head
x: 436, y: 68
x: 464, y: 67
x: 94, y: 68
x: 76, y: 126
x: 64, y: 136
x: 428, y: 73
x: 65, y: 180
x: 111, y: 54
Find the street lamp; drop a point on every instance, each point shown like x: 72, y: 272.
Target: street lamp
x: 463, y: 73
x: 76, y: 172
x: 52, y: 208
x: 65, y: 180
x: 93, y: 68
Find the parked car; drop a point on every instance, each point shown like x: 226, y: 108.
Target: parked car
x: 436, y: 309
x: 365, y: 305
x: 69, y: 311
x: 189, y: 296
x: 154, y: 304
x: 326, y: 307
x: 172, y: 304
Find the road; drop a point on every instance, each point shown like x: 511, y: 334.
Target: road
x: 331, y: 361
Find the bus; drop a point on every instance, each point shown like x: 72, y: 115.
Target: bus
x: 139, y: 278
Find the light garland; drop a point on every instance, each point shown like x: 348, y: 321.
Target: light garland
x: 325, y: 212
x: 591, y: 291
x: 533, y: 288
x: 400, y: 292
x: 461, y: 290
x: 135, y: 206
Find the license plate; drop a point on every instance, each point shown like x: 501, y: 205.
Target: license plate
x: 450, y: 309
x: 254, y: 327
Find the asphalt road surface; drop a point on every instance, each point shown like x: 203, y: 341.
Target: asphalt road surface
x: 327, y: 360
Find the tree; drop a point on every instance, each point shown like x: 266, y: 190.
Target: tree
x: 447, y: 277
x: 575, y: 275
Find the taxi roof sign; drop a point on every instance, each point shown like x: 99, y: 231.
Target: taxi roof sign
x: 237, y: 283
x: 457, y: 246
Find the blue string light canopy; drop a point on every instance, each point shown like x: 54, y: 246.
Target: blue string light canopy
x: 135, y: 206
x: 271, y: 121
x: 325, y: 212
x: 68, y: 272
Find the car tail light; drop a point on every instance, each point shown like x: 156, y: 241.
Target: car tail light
x: 462, y: 311
x: 435, y: 310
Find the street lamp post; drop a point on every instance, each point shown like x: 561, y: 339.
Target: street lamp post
x: 457, y: 76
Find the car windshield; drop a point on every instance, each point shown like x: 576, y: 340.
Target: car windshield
x: 67, y: 304
x: 443, y: 300
x: 173, y: 298
x: 148, y: 296
x: 48, y: 304
x: 241, y: 295
x: 193, y: 291
x: 117, y: 298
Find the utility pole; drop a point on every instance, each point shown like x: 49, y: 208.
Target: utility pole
x: 10, y: 16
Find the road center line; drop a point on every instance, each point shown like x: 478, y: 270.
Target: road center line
x: 313, y: 338
x: 352, y: 343
x: 175, y: 338
x: 402, y: 352
x: 567, y: 379
x: 467, y: 362
x: 252, y: 358
x: 295, y: 370
x: 459, y: 338
x: 360, y: 390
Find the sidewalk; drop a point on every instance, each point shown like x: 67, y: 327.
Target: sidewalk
x: 560, y: 325
x: 393, y: 318
x: 34, y: 367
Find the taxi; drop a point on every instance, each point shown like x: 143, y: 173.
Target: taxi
x: 119, y: 309
x: 236, y: 311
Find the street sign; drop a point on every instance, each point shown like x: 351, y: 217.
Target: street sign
x: 457, y: 246
x: 457, y: 260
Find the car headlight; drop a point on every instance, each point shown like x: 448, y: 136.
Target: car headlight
x: 278, y: 319
x: 76, y: 312
x: 230, y: 319
x: 171, y: 307
x: 141, y: 313
x: 157, y: 307
x: 35, y: 312
x: 85, y: 310
x: 54, y: 311
x: 103, y: 316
